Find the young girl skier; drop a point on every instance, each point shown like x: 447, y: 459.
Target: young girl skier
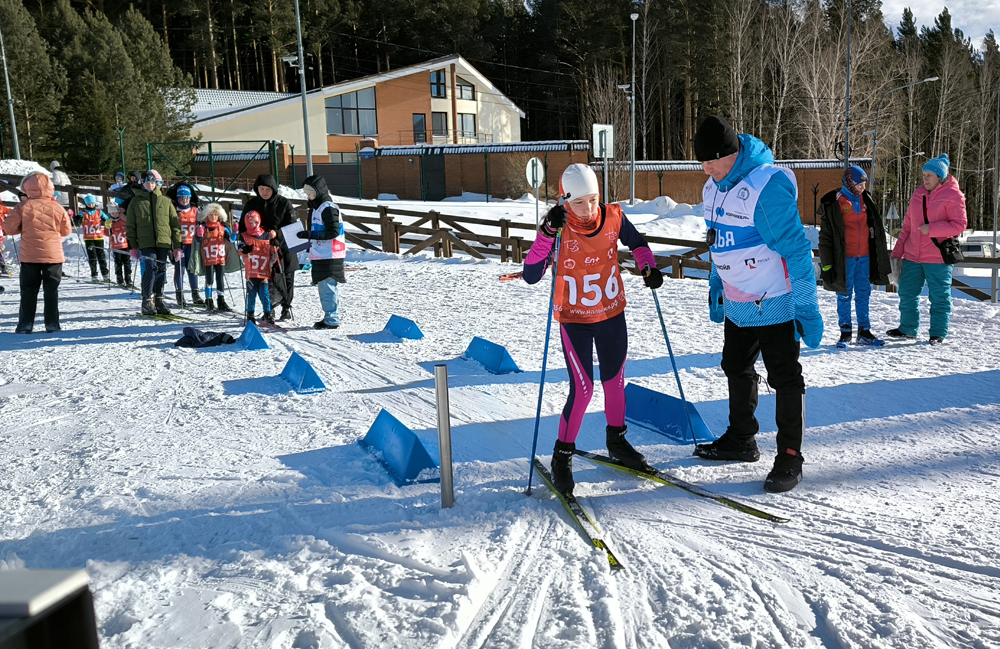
x: 186, y: 204
x: 589, y: 304
x: 256, y: 245
x: 92, y: 222
x: 213, y: 234
x: 115, y: 223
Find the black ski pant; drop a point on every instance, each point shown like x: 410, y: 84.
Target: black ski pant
x: 182, y: 266
x: 123, y: 266
x: 153, y: 266
x: 282, y: 286
x: 33, y: 277
x: 780, y: 350
x: 217, y: 275
x: 95, y: 256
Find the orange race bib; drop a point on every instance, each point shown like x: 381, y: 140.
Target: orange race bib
x: 118, y: 239
x: 213, y: 247
x: 189, y: 223
x: 258, y: 262
x: 93, y: 228
x: 589, y: 286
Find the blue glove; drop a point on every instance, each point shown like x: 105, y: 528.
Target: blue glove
x: 809, y: 327
x: 716, y: 304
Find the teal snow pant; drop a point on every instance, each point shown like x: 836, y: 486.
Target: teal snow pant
x: 911, y: 282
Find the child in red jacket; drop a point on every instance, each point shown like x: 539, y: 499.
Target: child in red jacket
x: 257, y: 249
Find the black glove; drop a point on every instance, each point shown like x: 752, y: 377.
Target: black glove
x: 302, y: 235
x: 652, y: 277
x: 246, y: 249
x: 554, y: 219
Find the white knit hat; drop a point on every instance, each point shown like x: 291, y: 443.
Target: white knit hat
x: 577, y: 181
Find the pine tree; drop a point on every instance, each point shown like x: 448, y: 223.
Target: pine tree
x: 37, y: 83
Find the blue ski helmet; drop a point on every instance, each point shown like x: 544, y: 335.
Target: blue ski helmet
x: 89, y: 200
x: 183, y: 190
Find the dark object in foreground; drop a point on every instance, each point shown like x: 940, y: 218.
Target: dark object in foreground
x: 197, y: 339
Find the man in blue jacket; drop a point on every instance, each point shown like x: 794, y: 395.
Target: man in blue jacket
x: 763, y: 287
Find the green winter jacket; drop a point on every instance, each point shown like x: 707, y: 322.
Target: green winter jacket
x: 151, y: 221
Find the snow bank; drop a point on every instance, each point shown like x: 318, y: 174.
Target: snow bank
x: 15, y: 167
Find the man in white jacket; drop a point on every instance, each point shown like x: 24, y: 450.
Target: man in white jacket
x: 59, y: 177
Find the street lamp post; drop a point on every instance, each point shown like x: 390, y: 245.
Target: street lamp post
x: 631, y: 195
x: 996, y: 195
x: 10, y: 100
x: 302, y: 88
x: 879, y: 108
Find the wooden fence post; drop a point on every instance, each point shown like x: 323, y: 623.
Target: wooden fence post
x: 445, y: 242
x: 518, y: 253
x: 105, y: 199
x: 436, y: 225
x: 504, y: 234
x: 677, y: 267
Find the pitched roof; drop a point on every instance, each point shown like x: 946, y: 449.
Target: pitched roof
x: 210, y: 102
x: 272, y: 99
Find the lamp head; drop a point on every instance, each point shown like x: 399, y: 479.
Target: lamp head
x: 634, y: 17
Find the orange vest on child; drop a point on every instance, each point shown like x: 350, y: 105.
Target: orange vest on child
x: 189, y: 223
x: 213, y: 245
x: 119, y: 241
x: 257, y: 263
x: 589, y: 285
x: 93, y: 225
x: 855, y: 228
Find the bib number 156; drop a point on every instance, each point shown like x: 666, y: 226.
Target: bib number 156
x: 591, y: 285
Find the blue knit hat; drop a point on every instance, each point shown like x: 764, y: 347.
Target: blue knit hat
x: 938, y: 165
x: 858, y: 174
x: 89, y: 200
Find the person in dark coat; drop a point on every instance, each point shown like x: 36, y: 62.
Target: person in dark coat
x: 327, y: 249
x: 276, y: 212
x: 852, y: 251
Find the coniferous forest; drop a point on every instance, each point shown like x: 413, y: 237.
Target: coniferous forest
x: 775, y: 68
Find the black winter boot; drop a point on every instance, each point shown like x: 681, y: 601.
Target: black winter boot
x: 728, y: 447
x: 251, y: 317
x: 179, y: 295
x: 321, y: 324
x: 222, y: 304
x: 621, y: 450
x: 196, y: 298
x: 846, y: 335
x: 160, y: 306
x: 268, y: 317
x: 787, y: 472
x: 286, y: 313
x: 147, y: 306
x: 898, y: 333
x: 562, y: 467
x: 210, y: 304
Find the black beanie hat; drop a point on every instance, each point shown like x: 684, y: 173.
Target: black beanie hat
x: 715, y: 139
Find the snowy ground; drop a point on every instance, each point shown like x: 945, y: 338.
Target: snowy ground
x: 213, y: 508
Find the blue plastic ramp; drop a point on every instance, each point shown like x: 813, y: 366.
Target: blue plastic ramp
x: 251, y: 338
x: 397, y: 448
x: 403, y: 328
x: 301, y: 375
x: 664, y: 414
x: 495, y: 358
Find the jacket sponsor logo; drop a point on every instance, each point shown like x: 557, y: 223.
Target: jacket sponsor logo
x: 739, y: 217
x: 590, y: 261
x: 722, y: 266
x: 569, y: 263
x: 720, y: 212
x: 612, y: 236
x: 573, y: 245
x: 750, y: 262
x: 743, y: 194
x: 612, y: 253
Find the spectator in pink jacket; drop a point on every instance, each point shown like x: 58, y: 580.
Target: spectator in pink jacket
x: 936, y: 212
x: 42, y: 224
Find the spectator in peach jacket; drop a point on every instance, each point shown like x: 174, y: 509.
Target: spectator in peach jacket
x: 42, y: 224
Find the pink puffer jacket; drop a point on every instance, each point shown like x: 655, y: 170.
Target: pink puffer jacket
x: 945, y: 216
x: 41, y: 222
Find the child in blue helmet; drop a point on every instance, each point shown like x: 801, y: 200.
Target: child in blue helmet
x: 92, y: 224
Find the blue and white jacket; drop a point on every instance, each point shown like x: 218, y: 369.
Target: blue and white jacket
x: 761, y: 257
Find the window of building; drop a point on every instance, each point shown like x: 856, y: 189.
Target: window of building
x: 438, y: 84
x: 352, y: 113
x: 345, y: 158
x: 465, y: 89
x: 439, y: 121
x: 466, y: 125
x: 419, y: 128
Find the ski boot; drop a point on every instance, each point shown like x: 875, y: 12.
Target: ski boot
x: 222, y: 304
x: 180, y: 299
x: 196, y: 298
x: 286, y: 313
x: 160, y: 306
x: 866, y: 337
x: 322, y: 325
x: 728, y: 447
x: 562, y: 467
x: 268, y: 317
x: 936, y: 340
x: 147, y: 306
x: 107, y: 278
x: 250, y: 316
x: 845, y: 338
x: 787, y: 472
x: 621, y: 450
x: 210, y: 305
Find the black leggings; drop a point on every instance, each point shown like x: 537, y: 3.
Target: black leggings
x: 217, y: 275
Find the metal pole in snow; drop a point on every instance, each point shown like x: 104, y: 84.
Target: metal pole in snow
x: 444, y: 434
